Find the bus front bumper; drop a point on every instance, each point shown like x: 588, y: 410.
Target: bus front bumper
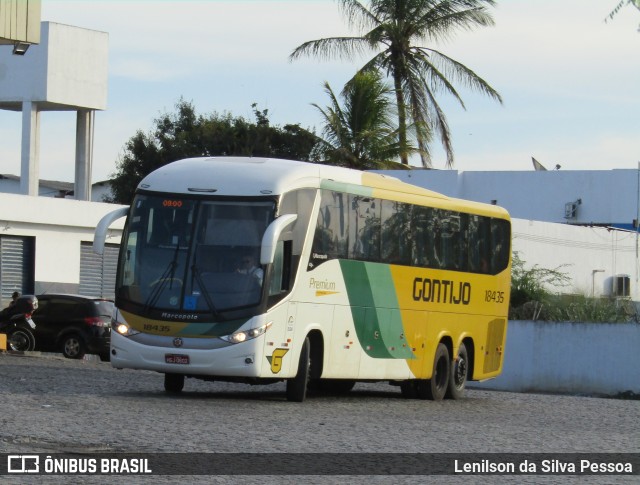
x: 239, y: 360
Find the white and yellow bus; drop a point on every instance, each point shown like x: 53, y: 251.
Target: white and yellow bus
x: 261, y: 270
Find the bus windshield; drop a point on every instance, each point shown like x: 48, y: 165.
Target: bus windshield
x: 193, y: 255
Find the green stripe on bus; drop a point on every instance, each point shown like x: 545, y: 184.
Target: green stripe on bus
x: 374, y: 308
x: 348, y: 188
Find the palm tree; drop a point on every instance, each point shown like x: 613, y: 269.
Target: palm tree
x: 614, y: 12
x: 392, y: 27
x: 360, y: 133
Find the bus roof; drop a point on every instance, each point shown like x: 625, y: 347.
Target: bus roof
x: 249, y: 176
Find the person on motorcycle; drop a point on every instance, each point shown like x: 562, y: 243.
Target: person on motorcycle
x: 10, y: 310
x: 16, y: 323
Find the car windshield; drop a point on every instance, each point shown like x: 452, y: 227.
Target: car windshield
x: 184, y: 254
x: 104, y: 308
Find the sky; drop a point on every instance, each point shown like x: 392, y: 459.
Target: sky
x: 569, y: 81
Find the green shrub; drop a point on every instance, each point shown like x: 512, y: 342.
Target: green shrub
x: 531, y: 299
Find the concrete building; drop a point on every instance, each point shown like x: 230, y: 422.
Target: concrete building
x: 67, y: 71
x: 10, y: 184
x: 46, y: 246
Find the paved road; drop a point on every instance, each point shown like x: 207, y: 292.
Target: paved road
x: 54, y: 405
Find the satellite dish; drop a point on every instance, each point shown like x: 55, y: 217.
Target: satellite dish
x: 537, y: 166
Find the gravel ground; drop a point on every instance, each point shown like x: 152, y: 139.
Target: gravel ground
x: 54, y: 405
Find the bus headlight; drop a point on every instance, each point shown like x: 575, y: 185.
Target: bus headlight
x: 124, y: 329
x: 238, y: 337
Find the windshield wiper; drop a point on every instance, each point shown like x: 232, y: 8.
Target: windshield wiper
x: 207, y: 297
x: 167, y: 275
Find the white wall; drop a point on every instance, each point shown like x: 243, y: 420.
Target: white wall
x: 578, y: 251
x: 59, y: 226
x: 68, y: 68
x: 12, y: 186
x: 574, y: 358
x: 99, y: 190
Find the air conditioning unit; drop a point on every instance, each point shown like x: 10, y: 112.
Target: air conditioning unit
x: 570, y: 210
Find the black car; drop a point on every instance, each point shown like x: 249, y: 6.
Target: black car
x: 74, y: 325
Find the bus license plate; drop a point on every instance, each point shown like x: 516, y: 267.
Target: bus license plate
x: 176, y: 359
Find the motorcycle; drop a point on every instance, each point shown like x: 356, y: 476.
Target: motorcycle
x: 16, y: 323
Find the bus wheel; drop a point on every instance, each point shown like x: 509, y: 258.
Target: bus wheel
x: 459, y: 374
x: 297, y: 386
x: 173, y: 383
x: 436, y: 387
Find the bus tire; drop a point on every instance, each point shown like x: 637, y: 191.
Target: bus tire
x: 173, y: 383
x: 459, y: 374
x: 436, y: 387
x: 297, y: 386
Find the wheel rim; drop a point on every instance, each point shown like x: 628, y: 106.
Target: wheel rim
x: 72, y: 347
x: 460, y: 375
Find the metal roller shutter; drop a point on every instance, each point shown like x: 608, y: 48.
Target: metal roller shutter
x: 98, y: 273
x: 16, y: 266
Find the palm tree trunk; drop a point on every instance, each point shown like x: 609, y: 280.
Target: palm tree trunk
x: 402, y: 119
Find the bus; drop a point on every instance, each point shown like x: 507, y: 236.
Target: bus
x: 261, y: 270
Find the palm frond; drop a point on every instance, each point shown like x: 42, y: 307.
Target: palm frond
x: 430, y: 75
x: 358, y: 15
x: 464, y: 75
x: 332, y: 47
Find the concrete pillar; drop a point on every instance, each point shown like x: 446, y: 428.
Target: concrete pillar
x: 30, y: 166
x: 84, y: 154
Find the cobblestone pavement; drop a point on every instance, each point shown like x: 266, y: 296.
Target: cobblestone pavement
x: 54, y: 405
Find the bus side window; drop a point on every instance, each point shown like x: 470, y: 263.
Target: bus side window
x: 331, y: 235
x: 420, y: 236
x: 500, y: 241
x: 434, y: 238
x: 395, y: 242
x: 484, y: 245
x: 473, y: 239
x: 280, y: 271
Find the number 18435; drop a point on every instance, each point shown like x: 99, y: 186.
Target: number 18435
x: 494, y: 296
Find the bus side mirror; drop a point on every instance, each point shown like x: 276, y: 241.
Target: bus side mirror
x: 100, y: 234
x: 271, y: 235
